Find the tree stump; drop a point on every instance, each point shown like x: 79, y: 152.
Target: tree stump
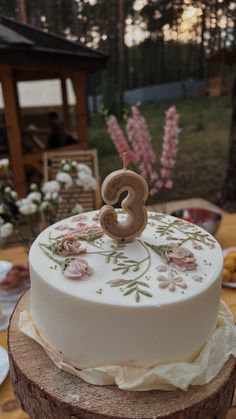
x: 45, y: 392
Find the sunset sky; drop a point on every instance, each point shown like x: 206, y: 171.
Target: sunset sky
x: 136, y: 33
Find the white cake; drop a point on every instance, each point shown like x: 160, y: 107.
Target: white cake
x: 102, y: 318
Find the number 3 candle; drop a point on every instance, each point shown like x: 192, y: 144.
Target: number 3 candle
x: 134, y: 205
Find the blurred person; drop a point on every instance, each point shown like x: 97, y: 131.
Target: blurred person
x: 59, y: 135
x: 33, y: 142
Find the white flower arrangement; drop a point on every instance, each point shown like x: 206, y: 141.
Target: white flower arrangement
x: 4, y: 164
x: 35, y: 197
x: 65, y: 179
x: 14, y: 195
x: 77, y: 209
x: 6, y: 230
x: 86, y: 181
x: 83, y: 168
x: 27, y: 208
x: 50, y: 186
x: 39, y: 208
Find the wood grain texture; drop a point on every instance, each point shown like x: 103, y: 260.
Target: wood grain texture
x: 65, y: 104
x: 91, y: 199
x: 45, y: 392
x: 79, y: 83
x: 13, y: 125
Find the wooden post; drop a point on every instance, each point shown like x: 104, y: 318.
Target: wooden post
x: 22, y: 11
x: 79, y: 81
x: 65, y: 105
x: 13, y: 126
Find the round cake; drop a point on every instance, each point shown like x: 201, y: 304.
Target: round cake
x: 96, y: 302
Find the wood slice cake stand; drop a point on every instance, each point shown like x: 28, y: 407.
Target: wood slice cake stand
x: 45, y: 392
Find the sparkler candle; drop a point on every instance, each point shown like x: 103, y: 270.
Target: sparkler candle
x: 133, y: 205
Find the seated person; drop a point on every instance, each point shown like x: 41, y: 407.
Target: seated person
x: 32, y: 141
x: 59, y: 135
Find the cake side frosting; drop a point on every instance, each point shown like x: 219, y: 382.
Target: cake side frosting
x: 155, y: 298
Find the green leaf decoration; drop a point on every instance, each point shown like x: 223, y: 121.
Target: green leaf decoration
x: 118, y: 282
x: 129, y: 291
x: 143, y: 284
x: 146, y: 293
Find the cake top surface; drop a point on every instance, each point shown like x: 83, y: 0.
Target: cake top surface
x: 171, y: 261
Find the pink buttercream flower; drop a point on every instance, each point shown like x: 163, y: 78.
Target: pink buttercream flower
x: 78, y: 269
x: 96, y: 217
x: 79, y: 217
x: 70, y: 245
x: 180, y: 257
x: 83, y: 230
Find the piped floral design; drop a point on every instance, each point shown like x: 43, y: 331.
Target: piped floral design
x: 181, y: 232
x: 96, y: 217
x: 70, y: 245
x: 78, y: 269
x: 73, y: 268
x: 79, y: 218
x: 180, y: 258
x: 61, y: 227
x: 65, y: 246
x: 161, y: 268
x: 197, y: 278
x: 133, y: 274
x: 171, y: 281
x: 176, y: 256
x: 86, y: 232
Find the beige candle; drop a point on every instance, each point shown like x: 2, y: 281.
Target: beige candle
x: 134, y: 205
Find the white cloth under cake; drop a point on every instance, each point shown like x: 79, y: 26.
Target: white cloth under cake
x: 162, y: 375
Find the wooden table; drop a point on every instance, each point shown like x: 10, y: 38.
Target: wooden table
x: 226, y: 236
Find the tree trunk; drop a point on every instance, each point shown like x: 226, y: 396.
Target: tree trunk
x: 162, y: 62
x: 22, y: 11
x: 121, y: 25
x: 229, y: 189
x: 201, y: 49
x: 45, y: 392
x: 112, y: 39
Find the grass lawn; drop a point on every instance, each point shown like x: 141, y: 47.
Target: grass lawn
x: 203, y: 146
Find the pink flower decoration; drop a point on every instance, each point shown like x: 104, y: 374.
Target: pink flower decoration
x: 83, y: 230
x: 96, y: 217
x: 78, y: 269
x: 71, y: 246
x: 80, y: 217
x: 180, y: 258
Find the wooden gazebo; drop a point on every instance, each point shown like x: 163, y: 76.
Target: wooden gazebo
x: 26, y: 54
x: 220, y: 71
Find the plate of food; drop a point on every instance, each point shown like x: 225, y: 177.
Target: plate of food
x: 14, y: 282
x: 4, y: 364
x: 229, y: 271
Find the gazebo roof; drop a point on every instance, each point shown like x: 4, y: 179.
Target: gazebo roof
x: 228, y: 57
x: 30, y: 43
x: 28, y: 53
